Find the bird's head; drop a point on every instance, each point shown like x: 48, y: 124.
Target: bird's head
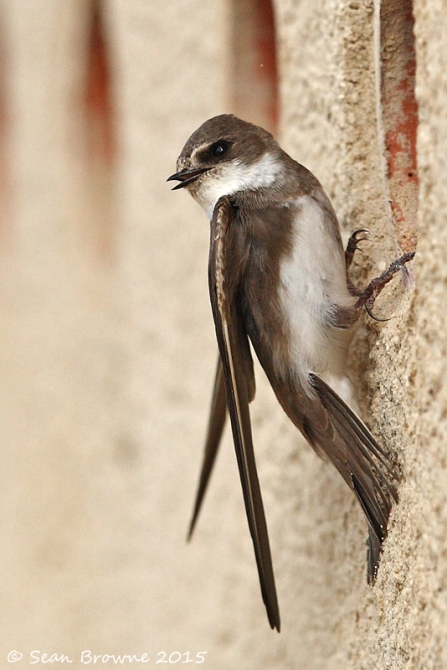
x: 226, y: 155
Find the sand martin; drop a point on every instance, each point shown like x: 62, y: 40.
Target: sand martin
x: 278, y: 284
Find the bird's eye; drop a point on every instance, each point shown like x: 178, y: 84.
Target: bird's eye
x: 219, y: 149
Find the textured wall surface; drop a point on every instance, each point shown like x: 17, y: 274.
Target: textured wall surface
x: 107, y: 362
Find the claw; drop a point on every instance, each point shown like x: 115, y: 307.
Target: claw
x: 355, y: 235
x: 352, y: 246
x: 373, y: 316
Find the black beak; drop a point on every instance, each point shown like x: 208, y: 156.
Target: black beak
x: 185, y: 177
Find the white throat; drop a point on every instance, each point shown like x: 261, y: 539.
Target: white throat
x: 236, y: 176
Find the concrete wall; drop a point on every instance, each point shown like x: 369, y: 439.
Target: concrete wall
x: 107, y: 355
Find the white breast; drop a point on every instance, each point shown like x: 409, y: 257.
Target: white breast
x: 229, y: 178
x: 313, y: 279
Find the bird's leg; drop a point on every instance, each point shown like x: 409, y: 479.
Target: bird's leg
x: 368, y: 296
x: 351, y: 248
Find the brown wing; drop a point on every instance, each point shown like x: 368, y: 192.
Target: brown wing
x: 216, y: 426
x: 214, y: 434
x: 225, y: 267
x: 334, y: 430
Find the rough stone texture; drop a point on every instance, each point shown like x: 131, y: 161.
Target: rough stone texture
x: 107, y: 364
x: 399, y: 623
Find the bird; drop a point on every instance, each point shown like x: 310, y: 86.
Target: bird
x: 279, y: 285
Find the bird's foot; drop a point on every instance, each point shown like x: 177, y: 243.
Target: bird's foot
x: 368, y: 297
x: 351, y: 248
x: 352, y: 245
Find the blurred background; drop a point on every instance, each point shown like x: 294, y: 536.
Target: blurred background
x: 107, y: 347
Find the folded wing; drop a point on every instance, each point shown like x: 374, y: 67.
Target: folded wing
x: 225, y: 268
x: 334, y: 430
x: 214, y: 435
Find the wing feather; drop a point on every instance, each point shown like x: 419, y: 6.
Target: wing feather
x: 214, y: 435
x: 224, y: 275
x: 335, y: 430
